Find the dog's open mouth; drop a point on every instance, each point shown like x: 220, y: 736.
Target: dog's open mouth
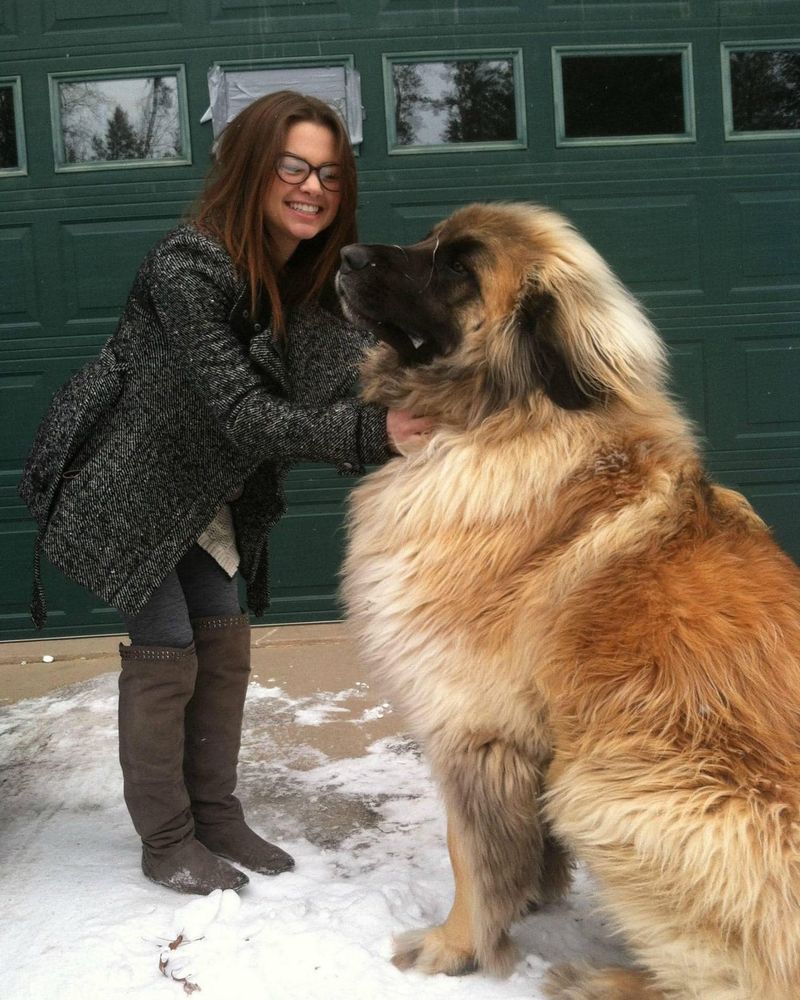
x: 411, y: 347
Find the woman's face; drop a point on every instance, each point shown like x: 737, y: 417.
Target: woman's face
x: 296, y: 212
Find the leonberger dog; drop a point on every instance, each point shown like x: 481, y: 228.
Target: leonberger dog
x: 597, y: 647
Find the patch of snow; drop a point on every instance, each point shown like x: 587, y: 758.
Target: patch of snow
x: 368, y: 835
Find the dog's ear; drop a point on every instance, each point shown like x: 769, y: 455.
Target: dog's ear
x: 551, y: 368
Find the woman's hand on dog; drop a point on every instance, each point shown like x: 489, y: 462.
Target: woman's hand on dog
x: 405, y: 429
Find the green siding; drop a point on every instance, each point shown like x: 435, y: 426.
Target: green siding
x: 705, y: 232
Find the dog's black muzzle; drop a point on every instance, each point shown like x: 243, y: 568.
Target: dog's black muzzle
x: 373, y: 284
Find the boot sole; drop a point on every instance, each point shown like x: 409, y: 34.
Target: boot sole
x: 196, y: 891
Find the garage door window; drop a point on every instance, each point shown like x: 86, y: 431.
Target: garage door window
x: 120, y: 120
x: 762, y: 91
x: 12, y: 138
x: 441, y: 103
x: 623, y: 96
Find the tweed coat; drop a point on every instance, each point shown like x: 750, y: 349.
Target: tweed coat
x: 187, y: 403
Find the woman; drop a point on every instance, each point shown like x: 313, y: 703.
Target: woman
x: 158, y: 470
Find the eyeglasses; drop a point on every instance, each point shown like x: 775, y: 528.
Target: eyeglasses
x: 294, y: 170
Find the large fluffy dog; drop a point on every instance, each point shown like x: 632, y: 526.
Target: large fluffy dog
x: 598, y: 648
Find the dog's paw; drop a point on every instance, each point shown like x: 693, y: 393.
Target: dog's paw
x: 563, y: 982
x: 581, y: 982
x: 428, y: 950
x: 432, y: 950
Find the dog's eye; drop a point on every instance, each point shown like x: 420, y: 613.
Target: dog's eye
x: 457, y: 266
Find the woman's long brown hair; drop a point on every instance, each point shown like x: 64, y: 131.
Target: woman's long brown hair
x: 232, y: 204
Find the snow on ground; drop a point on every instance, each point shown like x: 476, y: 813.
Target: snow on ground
x: 79, y: 920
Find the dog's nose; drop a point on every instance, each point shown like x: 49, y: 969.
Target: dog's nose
x: 355, y: 257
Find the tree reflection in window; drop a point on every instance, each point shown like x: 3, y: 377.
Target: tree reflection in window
x: 9, y: 154
x: 454, y: 101
x: 120, y: 120
x: 765, y: 90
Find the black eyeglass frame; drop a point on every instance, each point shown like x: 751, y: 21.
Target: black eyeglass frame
x: 308, y: 171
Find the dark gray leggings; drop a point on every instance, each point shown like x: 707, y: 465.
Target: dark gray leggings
x: 198, y: 587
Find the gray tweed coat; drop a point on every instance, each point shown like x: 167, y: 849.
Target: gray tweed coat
x: 189, y: 402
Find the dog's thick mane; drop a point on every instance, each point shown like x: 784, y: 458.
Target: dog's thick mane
x: 525, y: 462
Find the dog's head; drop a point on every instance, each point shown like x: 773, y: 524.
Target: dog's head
x: 507, y: 301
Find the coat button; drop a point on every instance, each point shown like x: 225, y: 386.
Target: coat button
x: 347, y: 466
x: 245, y: 313
x: 257, y: 327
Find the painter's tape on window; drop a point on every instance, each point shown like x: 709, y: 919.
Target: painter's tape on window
x: 232, y: 90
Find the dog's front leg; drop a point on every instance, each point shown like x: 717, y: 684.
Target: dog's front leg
x: 449, y: 948
x: 503, y: 860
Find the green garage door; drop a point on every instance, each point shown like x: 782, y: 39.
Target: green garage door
x: 668, y: 131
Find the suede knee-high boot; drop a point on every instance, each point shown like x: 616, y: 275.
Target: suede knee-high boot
x: 213, y: 736
x: 155, y: 685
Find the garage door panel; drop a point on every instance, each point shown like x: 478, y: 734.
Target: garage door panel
x: 71, y: 609
x: 653, y: 242
x: 100, y: 259
x: 307, y: 545
x: 18, y: 275
x: 768, y: 372
x: 227, y: 10
x: 688, y: 379
x: 754, y: 372
x: 766, y: 243
x: 89, y: 15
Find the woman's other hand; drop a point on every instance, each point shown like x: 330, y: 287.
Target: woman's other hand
x: 405, y: 429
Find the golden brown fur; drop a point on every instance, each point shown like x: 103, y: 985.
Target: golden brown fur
x: 597, y: 647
